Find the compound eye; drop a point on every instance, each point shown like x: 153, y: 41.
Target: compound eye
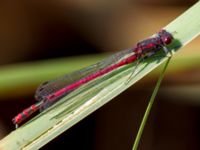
x: 167, y: 40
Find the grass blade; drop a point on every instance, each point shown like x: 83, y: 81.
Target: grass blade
x: 77, y: 105
x: 150, y: 104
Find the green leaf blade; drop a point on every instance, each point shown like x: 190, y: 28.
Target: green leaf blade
x: 85, y: 100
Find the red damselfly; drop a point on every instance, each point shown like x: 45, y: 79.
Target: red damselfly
x: 50, y: 92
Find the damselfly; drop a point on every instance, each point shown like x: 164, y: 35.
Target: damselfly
x: 50, y: 92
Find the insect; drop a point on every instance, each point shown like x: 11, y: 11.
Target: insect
x: 50, y: 92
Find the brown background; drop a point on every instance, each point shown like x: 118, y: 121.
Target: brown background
x: 36, y: 30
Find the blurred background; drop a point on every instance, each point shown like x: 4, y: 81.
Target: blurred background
x: 40, y: 40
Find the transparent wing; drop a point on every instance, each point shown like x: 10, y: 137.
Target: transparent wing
x: 54, y: 85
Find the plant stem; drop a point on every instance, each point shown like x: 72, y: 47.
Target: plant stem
x: 148, y: 109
